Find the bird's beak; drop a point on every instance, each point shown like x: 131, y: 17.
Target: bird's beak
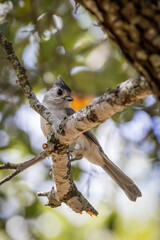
x: 68, y: 98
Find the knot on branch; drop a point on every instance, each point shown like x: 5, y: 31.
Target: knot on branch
x: 52, y: 200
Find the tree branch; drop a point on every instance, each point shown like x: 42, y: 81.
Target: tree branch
x: 103, y: 107
x: 135, y: 26
x: 22, y: 166
x: 24, y: 82
x: 77, y: 202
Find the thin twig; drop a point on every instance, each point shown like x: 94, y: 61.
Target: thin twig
x: 8, y: 165
x: 22, y: 166
x: 24, y: 82
x: 43, y: 194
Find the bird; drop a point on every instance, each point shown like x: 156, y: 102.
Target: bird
x: 57, y: 101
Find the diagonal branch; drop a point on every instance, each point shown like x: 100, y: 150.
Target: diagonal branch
x: 134, y: 26
x: 23, y: 166
x: 24, y: 82
x: 103, y: 107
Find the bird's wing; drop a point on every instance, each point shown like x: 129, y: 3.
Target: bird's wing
x: 91, y: 137
x: 88, y: 134
x: 69, y: 111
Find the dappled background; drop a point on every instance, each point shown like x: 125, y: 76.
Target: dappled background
x: 56, y: 37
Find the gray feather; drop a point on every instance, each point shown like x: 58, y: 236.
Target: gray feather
x: 91, y: 137
x: 124, y: 182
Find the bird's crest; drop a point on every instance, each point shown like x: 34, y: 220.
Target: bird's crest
x: 62, y: 84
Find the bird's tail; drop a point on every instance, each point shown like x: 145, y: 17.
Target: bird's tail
x: 123, y: 181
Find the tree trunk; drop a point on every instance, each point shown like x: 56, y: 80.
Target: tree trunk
x: 135, y: 26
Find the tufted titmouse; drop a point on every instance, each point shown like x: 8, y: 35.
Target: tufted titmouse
x: 57, y: 100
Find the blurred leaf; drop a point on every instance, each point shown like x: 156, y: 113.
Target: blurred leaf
x: 112, y: 221
x: 76, y: 173
x: 125, y: 116
x: 33, y: 210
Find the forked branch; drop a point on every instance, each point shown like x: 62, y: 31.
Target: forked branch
x: 20, y: 167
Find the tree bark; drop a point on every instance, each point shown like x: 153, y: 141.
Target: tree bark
x: 102, y: 108
x: 135, y: 26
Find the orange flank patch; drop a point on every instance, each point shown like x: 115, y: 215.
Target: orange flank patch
x: 80, y: 101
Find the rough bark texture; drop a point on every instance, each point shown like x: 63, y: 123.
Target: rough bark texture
x: 103, y: 107
x: 65, y: 189
x: 135, y: 26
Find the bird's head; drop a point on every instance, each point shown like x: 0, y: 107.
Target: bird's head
x: 59, y: 94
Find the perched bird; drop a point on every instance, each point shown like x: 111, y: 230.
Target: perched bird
x: 57, y: 100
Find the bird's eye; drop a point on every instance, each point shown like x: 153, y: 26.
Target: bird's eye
x: 59, y: 92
